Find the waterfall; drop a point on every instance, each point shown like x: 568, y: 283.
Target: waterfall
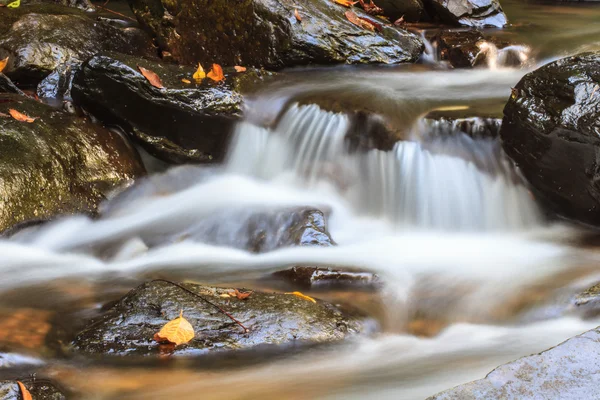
x: 452, y: 182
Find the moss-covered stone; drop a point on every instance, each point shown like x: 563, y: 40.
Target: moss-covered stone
x: 183, y: 122
x: 272, y: 319
x: 58, y: 164
x: 265, y: 33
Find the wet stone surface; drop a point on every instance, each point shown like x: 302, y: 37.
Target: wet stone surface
x: 40, y: 389
x: 314, y: 277
x: 551, y: 129
x: 272, y: 319
x: 182, y: 122
x: 473, y: 13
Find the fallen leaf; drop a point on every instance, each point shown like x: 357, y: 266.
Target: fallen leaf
x: 177, y: 331
x: 199, y: 74
x: 240, y: 295
x: 20, y: 116
x: 3, y: 64
x: 303, y: 296
x: 24, y: 392
x: 399, y: 21
x: 226, y: 295
x: 186, y: 81
x: 370, y: 24
x: 297, y: 15
x: 371, y: 8
x: 151, y: 77
x: 216, y: 73
x: 352, y: 17
x: 592, y: 95
x: 346, y: 3
x: 239, y: 69
x: 14, y: 4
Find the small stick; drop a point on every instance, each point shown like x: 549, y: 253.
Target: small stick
x: 114, y: 12
x: 246, y: 330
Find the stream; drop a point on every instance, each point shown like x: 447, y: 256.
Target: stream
x: 472, y: 272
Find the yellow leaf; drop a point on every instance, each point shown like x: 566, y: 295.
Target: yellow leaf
x: 20, y: 116
x: 14, y: 4
x: 178, y: 331
x: 216, y: 73
x: 199, y: 74
x: 186, y: 81
x: 3, y: 64
x: 151, y: 77
x: 24, y: 392
x: 239, y: 68
x: 303, y: 296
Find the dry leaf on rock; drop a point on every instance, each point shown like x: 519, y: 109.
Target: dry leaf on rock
x: 303, y: 296
x: 3, y: 64
x: 346, y: 3
x: 199, y: 74
x: 297, y: 15
x: 186, y: 81
x: 20, y: 116
x: 24, y: 392
x: 356, y: 20
x: 239, y: 68
x: 151, y: 77
x: 177, y: 331
x: 240, y: 295
x: 216, y: 73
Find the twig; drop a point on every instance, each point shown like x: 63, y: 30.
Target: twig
x: 114, y: 12
x: 246, y: 330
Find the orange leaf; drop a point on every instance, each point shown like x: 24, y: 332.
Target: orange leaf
x: 356, y: 20
x: 186, y: 81
x: 3, y: 64
x: 239, y: 69
x: 24, y: 392
x: 240, y: 295
x: 216, y: 73
x: 346, y: 3
x: 297, y: 15
x: 20, y: 116
x: 151, y: 77
x: 370, y: 24
x: 303, y: 296
x: 199, y: 74
x: 177, y: 331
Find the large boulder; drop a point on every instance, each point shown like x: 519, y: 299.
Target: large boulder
x: 182, y: 122
x: 40, y: 389
x: 551, y: 129
x: 58, y: 164
x: 272, y: 319
x: 570, y: 370
x: 266, y: 33
x: 473, y: 13
x: 39, y: 38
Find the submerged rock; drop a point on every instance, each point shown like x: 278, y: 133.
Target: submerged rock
x: 265, y: 33
x: 551, y: 129
x: 272, y: 319
x: 40, y: 389
x: 570, y: 370
x: 181, y: 122
x: 436, y: 126
x: 473, y: 13
x: 318, y: 277
x: 58, y: 164
x: 39, y: 38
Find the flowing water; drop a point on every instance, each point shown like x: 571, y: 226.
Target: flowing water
x: 473, y: 273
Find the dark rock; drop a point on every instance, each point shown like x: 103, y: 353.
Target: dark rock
x: 473, y: 13
x: 265, y: 33
x: 474, y: 127
x: 58, y: 164
x: 551, y: 129
x: 55, y: 89
x: 40, y: 389
x: 570, y: 370
x: 85, y: 5
x: 410, y: 10
x: 7, y: 86
x: 309, y: 277
x: 180, y: 123
x: 272, y: 319
x: 466, y: 49
x: 37, y: 39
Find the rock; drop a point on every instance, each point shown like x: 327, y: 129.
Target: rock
x: 7, y: 86
x: 474, y: 127
x: 272, y: 319
x: 410, y: 10
x: 85, y: 5
x: 551, y: 130
x: 473, y: 13
x: 37, y: 39
x: 265, y: 33
x: 570, y: 370
x: 40, y: 389
x: 58, y: 164
x: 56, y: 87
x: 309, y: 277
x: 180, y: 123
x: 467, y: 49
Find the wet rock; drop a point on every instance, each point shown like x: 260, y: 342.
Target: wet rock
x: 551, y: 129
x: 570, y: 370
x: 473, y: 13
x: 85, y: 5
x: 56, y: 87
x: 180, y: 123
x: 7, y: 86
x: 474, y: 127
x: 410, y: 10
x: 265, y: 33
x: 466, y: 49
x: 308, y: 277
x: 272, y: 319
x: 58, y: 164
x: 39, y: 38
x: 40, y: 389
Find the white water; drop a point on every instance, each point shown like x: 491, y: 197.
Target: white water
x: 449, y: 214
